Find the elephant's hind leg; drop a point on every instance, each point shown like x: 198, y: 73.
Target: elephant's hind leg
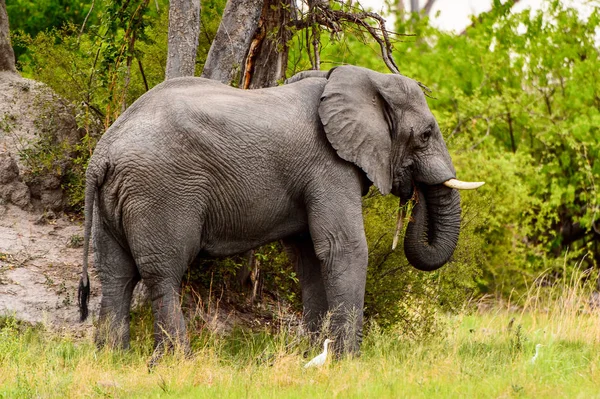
x: 162, y: 274
x: 118, y: 275
x: 164, y: 240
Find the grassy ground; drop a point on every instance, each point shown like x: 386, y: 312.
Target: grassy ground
x: 483, y: 354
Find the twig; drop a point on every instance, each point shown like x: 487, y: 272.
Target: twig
x: 487, y: 133
x: 143, y: 74
x: 85, y: 20
x: 95, y: 109
x: 316, y: 42
x: 360, y: 19
x: 310, y: 55
x: 92, y: 73
x: 320, y: 14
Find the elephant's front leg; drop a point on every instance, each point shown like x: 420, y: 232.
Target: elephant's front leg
x: 340, y: 244
x: 308, y: 268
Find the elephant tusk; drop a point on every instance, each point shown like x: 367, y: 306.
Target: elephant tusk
x: 398, y: 229
x: 463, y: 185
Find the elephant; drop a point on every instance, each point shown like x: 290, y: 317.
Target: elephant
x: 197, y: 168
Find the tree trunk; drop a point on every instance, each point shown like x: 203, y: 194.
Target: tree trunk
x: 7, y: 56
x: 428, y: 7
x: 414, y: 5
x: 184, y: 29
x: 400, y: 6
x: 267, y: 58
x: 227, y: 56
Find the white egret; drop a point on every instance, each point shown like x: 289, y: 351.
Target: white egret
x: 319, y: 360
x: 537, y: 353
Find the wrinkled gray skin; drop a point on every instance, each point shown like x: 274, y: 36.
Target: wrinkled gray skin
x: 198, y: 168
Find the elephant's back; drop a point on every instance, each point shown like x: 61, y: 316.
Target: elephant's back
x: 197, y: 127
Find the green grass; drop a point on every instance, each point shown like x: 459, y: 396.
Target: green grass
x: 479, y: 355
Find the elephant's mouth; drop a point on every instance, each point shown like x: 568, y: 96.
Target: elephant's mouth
x: 403, y: 185
x: 404, y: 192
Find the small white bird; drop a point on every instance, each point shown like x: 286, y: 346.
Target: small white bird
x: 537, y: 352
x: 319, y: 360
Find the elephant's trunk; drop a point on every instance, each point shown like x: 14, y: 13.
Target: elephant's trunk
x: 432, y: 234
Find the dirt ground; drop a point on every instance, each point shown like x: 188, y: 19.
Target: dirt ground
x: 40, y: 265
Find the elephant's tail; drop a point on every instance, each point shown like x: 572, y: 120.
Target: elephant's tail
x: 83, y: 293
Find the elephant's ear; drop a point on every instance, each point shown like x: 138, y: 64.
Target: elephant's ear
x: 353, y: 113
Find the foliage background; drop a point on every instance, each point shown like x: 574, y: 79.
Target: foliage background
x: 517, y: 98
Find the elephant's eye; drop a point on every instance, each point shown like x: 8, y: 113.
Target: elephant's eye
x: 426, y: 135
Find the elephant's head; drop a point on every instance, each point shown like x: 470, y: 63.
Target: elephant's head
x: 381, y: 122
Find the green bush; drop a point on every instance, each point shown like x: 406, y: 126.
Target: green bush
x: 398, y: 294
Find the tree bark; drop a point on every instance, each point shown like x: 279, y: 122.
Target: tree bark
x: 414, y: 5
x: 184, y: 29
x: 227, y: 56
x: 267, y: 58
x: 428, y: 6
x: 7, y: 55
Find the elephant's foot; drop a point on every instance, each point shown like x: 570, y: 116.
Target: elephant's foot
x: 343, y: 327
x: 346, y: 330
x: 112, y: 334
x: 169, y: 324
x: 180, y: 347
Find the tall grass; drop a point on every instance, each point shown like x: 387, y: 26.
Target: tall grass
x: 483, y: 353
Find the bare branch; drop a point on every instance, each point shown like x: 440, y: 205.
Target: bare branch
x: 142, y: 73
x: 316, y: 44
x: 485, y: 136
x: 316, y: 36
x: 334, y: 19
x: 86, y: 18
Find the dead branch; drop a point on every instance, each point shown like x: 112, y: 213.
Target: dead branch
x: 86, y: 19
x: 361, y: 20
x: 321, y: 16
